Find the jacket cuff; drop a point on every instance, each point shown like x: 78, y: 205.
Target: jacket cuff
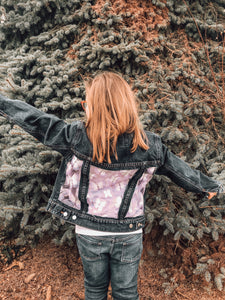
x: 220, y: 191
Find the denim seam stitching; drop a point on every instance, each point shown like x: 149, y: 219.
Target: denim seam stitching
x: 185, y: 178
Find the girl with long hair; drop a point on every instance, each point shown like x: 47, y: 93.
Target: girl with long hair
x: 107, y: 162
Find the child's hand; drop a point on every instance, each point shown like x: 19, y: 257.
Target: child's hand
x: 211, y: 195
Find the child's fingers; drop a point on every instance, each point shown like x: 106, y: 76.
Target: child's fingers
x: 211, y: 195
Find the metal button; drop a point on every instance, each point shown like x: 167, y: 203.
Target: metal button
x: 131, y: 225
x: 74, y: 217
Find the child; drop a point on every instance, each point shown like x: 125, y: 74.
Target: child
x: 101, y: 181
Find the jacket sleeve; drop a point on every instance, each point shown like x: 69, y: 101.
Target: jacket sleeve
x: 183, y: 175
x: 47, y: 128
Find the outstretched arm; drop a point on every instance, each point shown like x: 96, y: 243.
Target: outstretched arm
x: 183, y: 175
x: 47, y: 128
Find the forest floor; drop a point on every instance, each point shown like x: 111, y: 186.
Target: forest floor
x: 50, y: 272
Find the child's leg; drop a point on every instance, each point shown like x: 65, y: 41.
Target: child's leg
x: 124, y: 263
x: 95, y: 266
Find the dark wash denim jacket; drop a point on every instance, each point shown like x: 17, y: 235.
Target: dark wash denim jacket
x: 71, y: 139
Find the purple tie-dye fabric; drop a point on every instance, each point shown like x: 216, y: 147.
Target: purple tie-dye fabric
x: 69, y: 191
x: 106, y: 189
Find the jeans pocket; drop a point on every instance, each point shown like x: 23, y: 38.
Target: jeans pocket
x: 89, y: 248
x: 132, y: 249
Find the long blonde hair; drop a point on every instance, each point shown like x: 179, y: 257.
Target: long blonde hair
x: 111, y: 111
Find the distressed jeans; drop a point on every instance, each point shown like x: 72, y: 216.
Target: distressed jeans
x: 110, y: 258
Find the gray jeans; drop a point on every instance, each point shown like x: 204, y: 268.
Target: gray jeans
x: 110, y: 258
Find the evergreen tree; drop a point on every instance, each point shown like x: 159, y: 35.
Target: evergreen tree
x: 173, y: 56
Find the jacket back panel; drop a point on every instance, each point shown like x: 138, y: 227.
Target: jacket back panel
x: 105, y: 191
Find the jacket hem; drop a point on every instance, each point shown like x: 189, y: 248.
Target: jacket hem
x: 76, y: 217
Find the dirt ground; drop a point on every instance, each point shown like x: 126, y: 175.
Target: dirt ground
x: 50, y: 272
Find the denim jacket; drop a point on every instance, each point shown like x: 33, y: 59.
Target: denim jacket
x: 72, y: 142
